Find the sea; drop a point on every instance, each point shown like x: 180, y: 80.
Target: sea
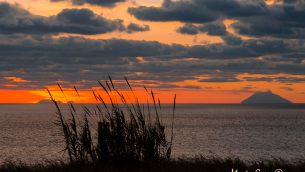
x: 250, y: 132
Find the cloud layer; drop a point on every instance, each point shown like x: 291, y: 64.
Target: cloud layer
x: 255, y: 18
x: 44, y: 60
x: 14, y: 19
x: 32, y: 50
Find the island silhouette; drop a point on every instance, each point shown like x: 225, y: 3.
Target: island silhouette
x: 48, y: 101
x: 267, y: 97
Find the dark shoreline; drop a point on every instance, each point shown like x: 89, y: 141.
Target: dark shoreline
x: 177, y: 165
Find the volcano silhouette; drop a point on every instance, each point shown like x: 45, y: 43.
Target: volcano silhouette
x: 265, y: 98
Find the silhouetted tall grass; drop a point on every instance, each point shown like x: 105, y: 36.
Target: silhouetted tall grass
x: 126, y: 132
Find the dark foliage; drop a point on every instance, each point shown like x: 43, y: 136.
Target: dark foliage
x: 126, y: 132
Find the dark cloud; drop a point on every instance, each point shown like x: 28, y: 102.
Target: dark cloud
x: 108, y: 3
x: 220, y: 79
x: 268, y: 27
x: 188, y: 29
x: 290, y: 79
x: 66, y: 47
x: 162, y: 86
x: 221, y: 51
x: 185, y: 11
x: 199, y: 11
x: 105, y: 3
x: 14, y: 19
x: 281, y: 79
x: 284, y: 20
x: 266, y: 79
x: 74, y: 47
x: 133, y: 27
x: 231, y: 39
x: 44, y: 60
x: 213, y: 28
x: 254, y: 18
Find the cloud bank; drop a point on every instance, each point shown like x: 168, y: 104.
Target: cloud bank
x: 30, y: 50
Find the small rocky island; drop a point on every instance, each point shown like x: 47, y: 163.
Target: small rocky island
x: 48, y: 101
x: 265, y: 98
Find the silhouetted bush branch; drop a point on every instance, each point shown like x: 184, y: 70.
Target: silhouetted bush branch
x: 126, y: 132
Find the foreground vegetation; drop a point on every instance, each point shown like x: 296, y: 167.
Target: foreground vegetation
x: 182, y: 165
x: 125, y: 130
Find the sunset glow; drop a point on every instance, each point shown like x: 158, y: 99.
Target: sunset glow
x: 216, y: 56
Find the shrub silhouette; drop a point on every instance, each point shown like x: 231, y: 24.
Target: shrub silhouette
x: 126, y: 132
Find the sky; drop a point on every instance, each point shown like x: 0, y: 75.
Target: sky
x: 205, y: 51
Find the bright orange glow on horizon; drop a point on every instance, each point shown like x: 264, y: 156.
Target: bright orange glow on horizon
x: 183, y: 96
x: 19, y: 96
x: 205, y: 92
x: 205, y: 95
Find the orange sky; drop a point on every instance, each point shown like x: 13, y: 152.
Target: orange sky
x: 228, y: 92
x: 165, y: 32
x: 166, y: 96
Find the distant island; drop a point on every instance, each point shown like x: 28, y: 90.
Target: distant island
x: 47, y: 101
x: 265, y: 98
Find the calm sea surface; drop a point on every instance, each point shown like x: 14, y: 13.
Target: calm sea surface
x: 28, y: 133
